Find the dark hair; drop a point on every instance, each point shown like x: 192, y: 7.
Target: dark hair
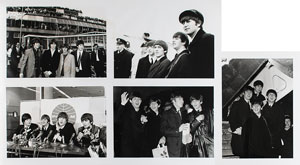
x: 175, y: 95
x: 154, y: 99
x: 87, y: 116
x: 63, y: 115
x: 248, y: 88
x: 183, y: 37
x: 45, y: 116
x: 257, y: 102
x: 186, y: 18
x: 95, y: 45
x: 258, y: 82
x: 25, y: 116
x: 271, y: 91
x: 52, y: 42
x: 79, y: 42
x: 134, y: 94
x: 35, y: 40
x: 66, y: 46
x: 196, y: 97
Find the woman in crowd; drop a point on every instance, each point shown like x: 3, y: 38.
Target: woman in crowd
x: 64, y: 131
x: 66, y: 66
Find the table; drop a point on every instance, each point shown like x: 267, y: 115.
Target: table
x: 47, y: 150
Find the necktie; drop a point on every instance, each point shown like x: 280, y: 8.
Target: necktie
x: 79, y: 61
x: 97, y: 58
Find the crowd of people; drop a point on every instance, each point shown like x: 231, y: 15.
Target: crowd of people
x: 194, y: 53
x: 186, y: 129
x: 88, y: 136
x: 56, y: 61
x: 260, y: 126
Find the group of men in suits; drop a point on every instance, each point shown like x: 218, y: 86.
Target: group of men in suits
x: 35, y: 63
x: 272, y: 117
x: 194, y: 53
x: 181, y: 129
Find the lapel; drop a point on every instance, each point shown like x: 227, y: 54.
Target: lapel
x: 198, y: 36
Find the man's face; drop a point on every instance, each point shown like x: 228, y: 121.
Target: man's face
x: 287, y: 122
x: 196, y: 104
x: 18, y: 45
x: 27, y: 122
x: 271, y: 97
x: 178, y: 102
x: 80, y: 47
x: 65, y: 50
x: 44, y: 122
x: 95, y: 48
x: 190, y: 26
x: 62, y: 121
x: 248, y: 94
x: 258, y: 88
x: 36, y: 45
x: 86, y: 123
x: 120, y: 47
x: 53, y: 46
x: 150, y: 50
x: 177, y: 43
x: 158, y: 51
x: 256, y: 109
x: 154, y: 106
x: 136, y: 102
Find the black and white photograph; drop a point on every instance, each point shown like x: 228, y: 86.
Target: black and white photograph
x: 55, y: 122
x: 54, y: 41
x: 166, y: 42
x: 257, y: 108
x: 163, y: 122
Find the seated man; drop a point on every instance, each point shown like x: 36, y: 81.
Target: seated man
x: 89, y: 133
x: 64, y: 131
x: 47, y: 129
x: 27, y: 130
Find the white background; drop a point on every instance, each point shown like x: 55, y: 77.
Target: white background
x: 250, y: 29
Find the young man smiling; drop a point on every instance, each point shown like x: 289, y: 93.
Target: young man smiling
x: 201, y: 46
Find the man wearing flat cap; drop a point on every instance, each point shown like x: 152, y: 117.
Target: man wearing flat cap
x: 122, y: 59
x: 239, y: 112
x: 145, y: 62
x: 201, y: 46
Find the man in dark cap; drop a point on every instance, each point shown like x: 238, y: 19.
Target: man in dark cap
x: 31, y: 63
x: 122, y: 60
x: 145, y: 62
x: 82, y: 61
x: 201, y: 46
x: 257, y: 96
x: 239, y: 113
x: 98, y: 60
x: 274, y: 115
x: 160, y: 68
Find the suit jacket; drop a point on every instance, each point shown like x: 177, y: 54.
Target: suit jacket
x: 180, y: 66
x: 202, y: 55
x: 68, y: 64
x: 32, y: 131
x: 28, y: 63
x: 239, y: 113
x: 170, y: 123
x: 85, y: 64
x: 143, y: 67
x: 275, y: 119
x: 131, y: 131
x: 47, y: 132
x: 159, y: 69
x: 122, y: 64
x: 50, y: 63
x: 67, y: 132
x: 99, y: 66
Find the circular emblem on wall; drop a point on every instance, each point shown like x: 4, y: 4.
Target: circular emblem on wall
x: 64, y: 108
